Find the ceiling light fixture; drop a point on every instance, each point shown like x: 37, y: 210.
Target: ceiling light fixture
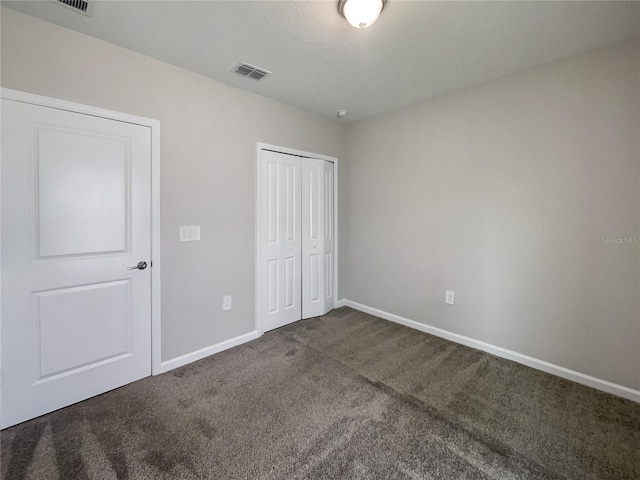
x: 342, y: 113
x: 361, y: 13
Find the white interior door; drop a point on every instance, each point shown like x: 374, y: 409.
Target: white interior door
x: 329, y: 237
x: 281, y: 244
x: 313, y: 238
x: 76, y: 321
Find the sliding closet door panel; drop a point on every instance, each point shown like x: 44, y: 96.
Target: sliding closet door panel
x: 297, y: 270
x: 313, y: 266
x: 329, y: 300
x: 271, y: 245
x: 314, y: 226
x: 281, y: 243
x: 292, y: 244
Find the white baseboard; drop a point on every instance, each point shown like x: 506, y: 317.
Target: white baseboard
x: 205, y: 352
x: 341, y: 303
x: 604, y: 385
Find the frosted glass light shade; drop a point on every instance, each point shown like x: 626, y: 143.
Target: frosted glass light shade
x: 361, y: 13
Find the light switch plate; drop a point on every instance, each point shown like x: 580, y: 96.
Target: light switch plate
x: 190, y: 233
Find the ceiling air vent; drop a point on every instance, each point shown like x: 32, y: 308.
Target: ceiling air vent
x: 250, y: 71
x: 80, y: 6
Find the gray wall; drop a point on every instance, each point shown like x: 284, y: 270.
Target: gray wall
x: 503, y: 193
x: 208, y: 148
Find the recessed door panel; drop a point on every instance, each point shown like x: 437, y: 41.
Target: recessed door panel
x: 76, y: 213
x: 291, y: 183
x: 273, y: 210
x: 314, y: 277
x: 272, y: 285
x: 290, y: 283
x: 314, y: 198
x: 98, y: 314
x: 328, y: 274
x: 328, y: 201
x: 82, y: 189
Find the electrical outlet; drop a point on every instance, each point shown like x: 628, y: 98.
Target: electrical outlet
x: 448, y: 297
x: 226, y: 302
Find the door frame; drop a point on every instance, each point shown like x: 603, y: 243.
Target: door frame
x: 154, y: 125
x: 299, y: 153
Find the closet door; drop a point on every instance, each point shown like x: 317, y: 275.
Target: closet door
x: 313, y: 238
x: 329, y: 237
x: 281, y: 244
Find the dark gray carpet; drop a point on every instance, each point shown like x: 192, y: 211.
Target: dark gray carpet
x: 342, y: 396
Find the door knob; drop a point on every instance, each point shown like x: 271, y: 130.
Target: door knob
x: 139, y: 266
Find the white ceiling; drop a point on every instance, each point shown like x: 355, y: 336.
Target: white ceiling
x: 416, y: 50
